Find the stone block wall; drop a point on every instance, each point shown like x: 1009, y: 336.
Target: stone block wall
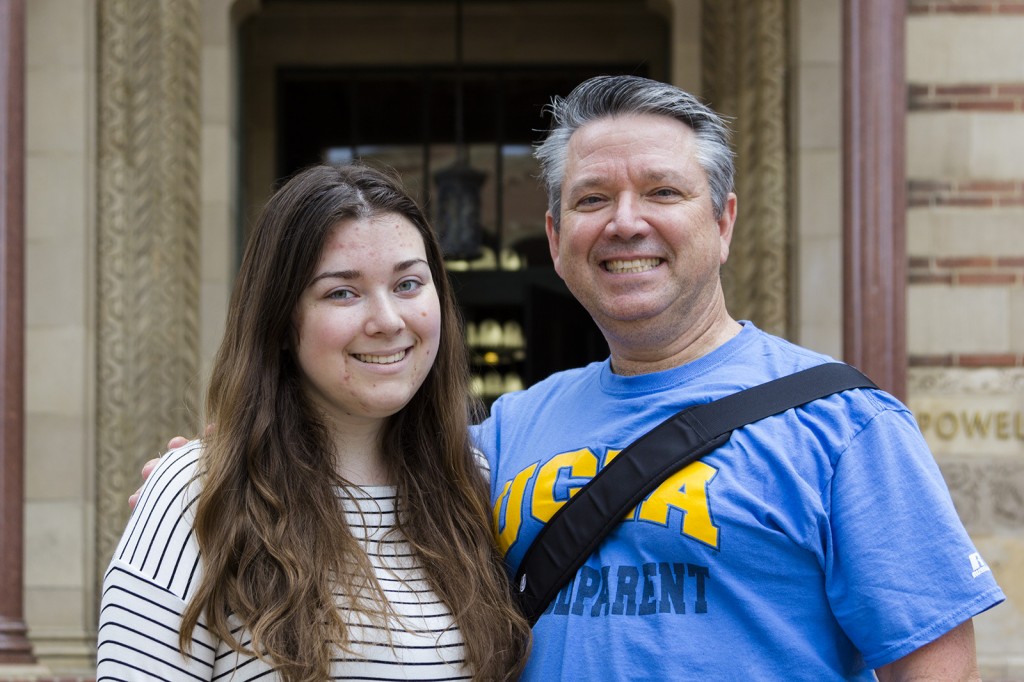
x: 59, y: 328
x: 965, y: 222
x: 965, y: 242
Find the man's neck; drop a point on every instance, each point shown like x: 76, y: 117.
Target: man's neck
x: 635, y: 357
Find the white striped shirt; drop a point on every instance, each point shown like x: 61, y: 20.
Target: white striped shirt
x: 156, y: 568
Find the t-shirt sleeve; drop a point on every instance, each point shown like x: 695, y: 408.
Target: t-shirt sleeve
x: 900, y: 568
x: 151, y: 575
x: 484, y: 436
x: 138, y: 631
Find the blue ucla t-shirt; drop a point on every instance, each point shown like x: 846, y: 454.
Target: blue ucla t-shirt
x: 816, y: 545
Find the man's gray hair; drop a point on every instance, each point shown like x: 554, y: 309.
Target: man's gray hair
x: 606, y: 96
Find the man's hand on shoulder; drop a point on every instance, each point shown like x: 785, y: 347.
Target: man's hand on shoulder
x: 148, y: 467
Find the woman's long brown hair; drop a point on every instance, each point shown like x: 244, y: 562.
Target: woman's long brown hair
x: 273, y: 537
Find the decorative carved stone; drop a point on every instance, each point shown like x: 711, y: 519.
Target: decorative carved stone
x: 744, y: 78
x: 965, y: 488
x: 148, y: 246
x: 1007, y: 486
x: 974, y: 421
x: 980, y: 382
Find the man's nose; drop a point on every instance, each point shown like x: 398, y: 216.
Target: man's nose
x: 627, y: 221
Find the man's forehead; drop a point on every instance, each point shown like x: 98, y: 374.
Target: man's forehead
x: 631, y: 121
x: 655, y: 151
x: 632, y: 133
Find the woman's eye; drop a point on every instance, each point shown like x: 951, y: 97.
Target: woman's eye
x: 341, y: 294
x: 407, y: 285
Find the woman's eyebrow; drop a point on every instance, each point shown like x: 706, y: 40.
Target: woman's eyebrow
x: 336, y: 274
x: 356, y: 274
x: 406, y: 264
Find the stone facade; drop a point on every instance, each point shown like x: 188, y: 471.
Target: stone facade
x: 129, y: 103
x: 60, y: 416
x: 965, y: 223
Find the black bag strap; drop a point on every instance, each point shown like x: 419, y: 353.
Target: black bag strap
x: 579, y: 526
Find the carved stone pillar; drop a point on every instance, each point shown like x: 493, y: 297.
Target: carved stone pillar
x: 14, y: 644
x: 744, y: 74
x: 148, y: 228
x: 874, y: 197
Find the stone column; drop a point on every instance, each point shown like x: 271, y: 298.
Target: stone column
x: 148, y: 243
x: 14, y: 645
x: 744, y: 73
x: 743, y: 69
x: 874, y: 196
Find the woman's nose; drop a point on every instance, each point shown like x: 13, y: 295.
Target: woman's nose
x: 384, y: 317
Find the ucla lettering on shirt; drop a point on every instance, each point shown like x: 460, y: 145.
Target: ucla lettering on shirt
x: 562, y: 476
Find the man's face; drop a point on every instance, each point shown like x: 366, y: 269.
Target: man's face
x: 639, y: 244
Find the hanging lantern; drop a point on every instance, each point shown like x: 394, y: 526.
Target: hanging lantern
x: 457, y: 217
x: 458, y: 210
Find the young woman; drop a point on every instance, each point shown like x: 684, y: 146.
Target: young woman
x: 335, y: 525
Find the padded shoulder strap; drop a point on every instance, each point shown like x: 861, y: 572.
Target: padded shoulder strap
x: 575, y: 531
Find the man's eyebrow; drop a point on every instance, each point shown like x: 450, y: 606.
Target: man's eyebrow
x: 656, y: 175
x: 586, y: 183
x: 583, y: 187
x: 591, y: 181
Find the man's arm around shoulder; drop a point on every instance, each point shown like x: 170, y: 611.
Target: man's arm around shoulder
x: 950, y: 657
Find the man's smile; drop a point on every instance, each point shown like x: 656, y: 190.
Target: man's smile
x: 631, y: 266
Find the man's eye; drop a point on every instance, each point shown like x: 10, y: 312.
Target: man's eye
x: 590, y: 201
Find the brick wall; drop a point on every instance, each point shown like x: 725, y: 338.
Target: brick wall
x: 967, y: 97
x: 965, y: 194
x: 963, y: 7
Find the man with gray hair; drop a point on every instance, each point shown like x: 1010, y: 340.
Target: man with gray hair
x: 817, y: 544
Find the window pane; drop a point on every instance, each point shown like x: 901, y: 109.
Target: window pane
x: 523, y: 205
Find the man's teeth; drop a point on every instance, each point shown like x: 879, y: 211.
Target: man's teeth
x: 635, y: 265
x: 380, y: 359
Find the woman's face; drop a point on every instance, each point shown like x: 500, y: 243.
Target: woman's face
x: 368, y: 325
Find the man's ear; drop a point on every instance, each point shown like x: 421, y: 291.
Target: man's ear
x: 549, y: 228
x: 725, y: 225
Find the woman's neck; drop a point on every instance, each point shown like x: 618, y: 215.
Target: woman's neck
x: 359, y: 458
